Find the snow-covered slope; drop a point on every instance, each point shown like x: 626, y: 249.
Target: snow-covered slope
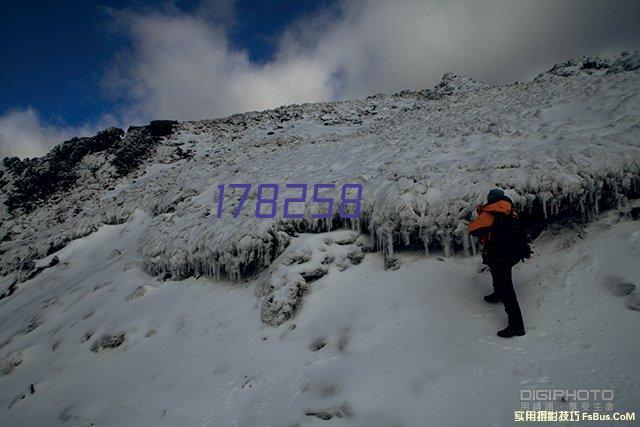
x: 565, y: 143
x: 370, y: 347
x: 125, y: 300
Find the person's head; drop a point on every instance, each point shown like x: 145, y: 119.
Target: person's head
x: 495, y: 195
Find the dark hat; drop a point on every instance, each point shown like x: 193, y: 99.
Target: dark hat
x: 495, y: 195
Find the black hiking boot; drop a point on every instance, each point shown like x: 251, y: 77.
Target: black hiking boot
x: 509, y: 332
x: 492, y: 298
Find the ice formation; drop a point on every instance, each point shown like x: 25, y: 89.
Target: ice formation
x: 307, y: 259
x: 566, y: 144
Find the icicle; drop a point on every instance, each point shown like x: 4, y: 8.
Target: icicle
x: 466, y: 243
x: 389, y: 250
x: 474, y: 249
x: 424, y: 238
x: 448, y: 247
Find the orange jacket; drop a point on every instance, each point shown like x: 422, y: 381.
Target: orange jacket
x: 481, y: 226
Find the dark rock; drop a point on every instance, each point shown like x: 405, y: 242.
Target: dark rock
x: 566, y: 68
x: 10, y: 362
x: 317, y: 344
x: 635, y: 213
x: 132, y: 150
x: 274, y: 312
x: 10, y: 290
x: 34, y: 180
x: 108, y: 341
x: 133, y: 127
x: 328, y: 259
x: 356, y: 256
x: 339, y: 411
x: 310, y: 276
x: 594, y: 63
x: 137, y: 144
x: 623, y: 288
x: 179, y: 153
x: 159, y: 128
x: 627, y: 61
x: 391, y: 263
x: 13, y: 164
x: 450, y: 84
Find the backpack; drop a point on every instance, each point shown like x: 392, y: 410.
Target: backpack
x: 511, y: 238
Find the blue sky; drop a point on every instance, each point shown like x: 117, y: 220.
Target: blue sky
x: 72, y: 68
x: 55, y: 53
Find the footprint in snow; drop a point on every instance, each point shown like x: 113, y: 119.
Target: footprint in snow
x: 317, y: 344
x: 633, y: 302
x: 101, y: 285
x: 108, y: 341
x: 33, y: 324
x: 137, y: 293
x: 30, y: 390
x: 338, y: 411
x: 86, y: 337
x: 344, y: 340
x: 10, y: 362
x: 620, y: 288
x: 626, y: 290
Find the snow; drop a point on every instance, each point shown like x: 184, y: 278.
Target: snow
x: 556, y: 144
x: 158, y: 313
x: 378, y: 347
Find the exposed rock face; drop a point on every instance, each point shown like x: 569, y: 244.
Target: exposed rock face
x: 159, y: 128
x: 450, y: 84
x: 131, y: 151
x: 453, y: 84
x: 140, y: 140
x: 29, y: 182
x: 625, y: 62
x: 33, y: 180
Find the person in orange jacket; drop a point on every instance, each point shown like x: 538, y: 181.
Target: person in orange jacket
x: 497, y: 252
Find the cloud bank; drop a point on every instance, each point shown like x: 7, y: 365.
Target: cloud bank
x: 183, y: 66
x: 23, y: 133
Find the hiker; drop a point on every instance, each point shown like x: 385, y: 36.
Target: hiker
x: 503, y: 245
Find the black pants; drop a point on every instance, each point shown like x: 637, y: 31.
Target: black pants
x: 503, y: 287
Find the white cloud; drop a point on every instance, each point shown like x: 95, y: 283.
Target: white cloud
x: 182, y: 65
x: 24, y: 134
